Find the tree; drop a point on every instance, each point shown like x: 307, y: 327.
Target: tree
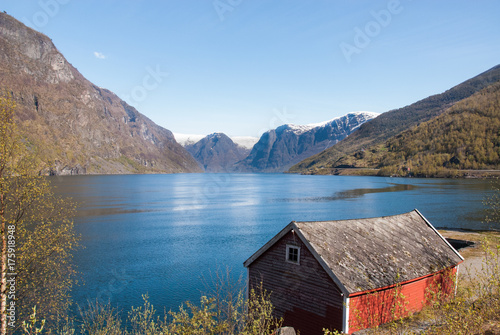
x: 492, y: 204
x: 37, y: 233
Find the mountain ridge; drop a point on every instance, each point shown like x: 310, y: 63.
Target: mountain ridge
x: 77, y: 126
x: 246, y: 142
x: 217, y: 152
x: 280, y: 148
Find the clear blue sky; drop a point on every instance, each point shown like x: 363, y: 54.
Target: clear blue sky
x: 244, y: 66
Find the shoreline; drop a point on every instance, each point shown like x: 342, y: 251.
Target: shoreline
x: 373, y: 172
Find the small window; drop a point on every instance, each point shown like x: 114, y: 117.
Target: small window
x: 292, y: 254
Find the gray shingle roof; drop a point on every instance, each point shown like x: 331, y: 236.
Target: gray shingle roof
x: 365, y: 254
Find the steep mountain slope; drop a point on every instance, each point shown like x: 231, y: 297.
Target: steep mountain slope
x: 280, y: 148
x: 217, y: 153
x: 375, y: 132
x: 77, y: 126
x: 466, y: 136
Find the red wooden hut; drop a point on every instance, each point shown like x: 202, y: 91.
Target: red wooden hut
x: 354, y: 274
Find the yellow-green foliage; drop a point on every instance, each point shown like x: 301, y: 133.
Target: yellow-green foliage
x: 31, y: 327
x: 229, y: 315
x: 96, y: 319
x: 467, y: 136
x: 477, y: 303
x: 42, y: 226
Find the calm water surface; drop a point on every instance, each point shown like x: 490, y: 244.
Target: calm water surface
x: 166, y: 234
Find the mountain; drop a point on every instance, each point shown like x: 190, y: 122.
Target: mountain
x: 217, y: 153
x: 246, y: 142
x: 75, y: 125
x: 280, y: 148
x: 372, y: 135
x: 466, y: 136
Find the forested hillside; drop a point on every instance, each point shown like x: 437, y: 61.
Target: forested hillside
x: 355, y: 150
x: 466, y: 136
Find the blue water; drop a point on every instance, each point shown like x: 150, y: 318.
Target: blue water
x: 166, y: 235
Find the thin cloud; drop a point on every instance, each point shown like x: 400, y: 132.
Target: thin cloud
x: 99, y: 55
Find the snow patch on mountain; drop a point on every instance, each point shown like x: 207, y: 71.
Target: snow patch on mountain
x: 187, y: 139
x: 294, y: 128
x: 246, y: 142
x: 300, y: 129
x: 363, y: 114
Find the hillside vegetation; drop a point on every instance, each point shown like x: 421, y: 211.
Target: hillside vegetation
x: 372, y: 135
x: 466, y: 136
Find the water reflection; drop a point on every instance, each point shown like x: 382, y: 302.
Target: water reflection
x: 103, y: 211
x: 359, y: 192
x: 355, y: 193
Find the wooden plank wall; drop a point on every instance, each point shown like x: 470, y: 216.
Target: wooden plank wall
x: 303, y: 294
x: 379, y: 307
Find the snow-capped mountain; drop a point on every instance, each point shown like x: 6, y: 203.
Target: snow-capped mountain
x: 278, y: 149
x: 275, y: 151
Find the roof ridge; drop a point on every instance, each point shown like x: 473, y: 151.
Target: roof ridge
x: 357, y: 219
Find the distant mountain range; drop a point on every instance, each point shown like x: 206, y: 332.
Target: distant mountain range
x: 77, y: 126
x: 276, y: 150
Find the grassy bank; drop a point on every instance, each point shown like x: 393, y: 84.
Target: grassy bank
x: 442, y: 173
